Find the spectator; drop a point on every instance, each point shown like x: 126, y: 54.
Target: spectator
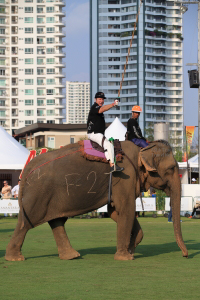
x: 197, y: 205
x: 194, y: 180
x: 15, y: 190
x: 6, y: 190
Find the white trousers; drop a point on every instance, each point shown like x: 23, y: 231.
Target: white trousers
x: 108, y: 147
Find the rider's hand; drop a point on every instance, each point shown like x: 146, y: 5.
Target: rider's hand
x: 116, y: 102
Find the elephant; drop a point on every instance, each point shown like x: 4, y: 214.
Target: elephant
x: 62, y: 184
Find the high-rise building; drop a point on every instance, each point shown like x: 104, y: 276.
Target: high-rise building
x: 77, y: 102
x: 154, y: 74
x: 31, y: 33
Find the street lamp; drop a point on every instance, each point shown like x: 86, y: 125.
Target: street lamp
x: 183, y: 8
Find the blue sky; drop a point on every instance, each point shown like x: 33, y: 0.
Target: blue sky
x: 77, y: 50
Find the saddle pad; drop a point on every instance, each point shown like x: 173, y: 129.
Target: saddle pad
x: 90, y: 153
x: 88, y: 149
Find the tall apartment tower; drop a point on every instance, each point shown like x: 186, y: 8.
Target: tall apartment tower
x: 154, y: 75
x: 31, y: 62
x: 77, y: 102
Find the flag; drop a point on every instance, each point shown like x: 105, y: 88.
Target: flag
x: 189, y: 136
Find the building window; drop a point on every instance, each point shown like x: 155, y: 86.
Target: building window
x: 50, y: 60
x: 29, y: 92
x: 50, y: 91
x: 40, y: 20
x: 28, y: 50
x: 28, y: 71
x: 28, y: 10
x: 50, y: 20
x: 28, y: 61
x: 40, y: 10
x: 49, y: 9
x: 50, y: 71
x: 29, y: 102
x: 40, y: 30
x: 51, y: 142
x: 50, y: 101
x: 28, y: 122
x: 49, y: 40
x: 29, y: 113
x: 50, y: 50
x: 28, y: 20
x: 28, y: 30
x: 40, y: 102
x: 50, y: 112
x: 40, y: 61
x: 50, y: 81
x: 40, y: 71
x: 28, y: 40
x: 28, y: 81
x: 72, y: 140
x: 50, y: 29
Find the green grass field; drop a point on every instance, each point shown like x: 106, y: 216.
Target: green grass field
x: 158, y: 272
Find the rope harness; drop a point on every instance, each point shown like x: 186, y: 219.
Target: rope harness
x: 129, y: 49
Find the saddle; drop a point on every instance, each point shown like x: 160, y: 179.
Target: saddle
x: 92, y: 151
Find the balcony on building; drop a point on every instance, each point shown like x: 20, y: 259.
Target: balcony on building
x: 14, y: 1
x: 14, y: 9
x: 41, y: 71
x: 15, y: 123
x: 14, y: 29
x: 14, y: 101
x: 14, y: 92
x: 41, y: 10
x: 14, y: 60
x: 59, y: 12
x: 14, y: 50
x: 41, y: 50
x: 60, y: 53
x: 14, y: 112
x: 14, y: 71
x: 14, y: 20
x: 41, y: 112
x: 14, y: 40
x: 14, y: 81
x: 59, y: 2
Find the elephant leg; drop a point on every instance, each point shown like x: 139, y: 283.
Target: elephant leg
x: 136, y: 236
x: 125, y: 221
x: 136, y: 233
x: 13, y: 250
x: 65, y: 250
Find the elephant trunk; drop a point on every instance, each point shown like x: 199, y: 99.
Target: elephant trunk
x: 175, y: 199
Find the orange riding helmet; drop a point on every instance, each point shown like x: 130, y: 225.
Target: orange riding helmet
x: 136, y: 108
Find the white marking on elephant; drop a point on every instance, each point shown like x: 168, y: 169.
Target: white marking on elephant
x: 68, y: 184
x: 95, y: 178
x: 38, y: 171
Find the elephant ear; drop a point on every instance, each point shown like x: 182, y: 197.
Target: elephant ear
x: 146, y: 158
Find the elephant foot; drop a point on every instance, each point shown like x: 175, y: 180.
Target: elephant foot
x: 123, y: 256
x: 14, y: 257
x: 70, y: 254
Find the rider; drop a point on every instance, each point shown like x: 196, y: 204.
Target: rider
x: 135, y: 133
x: 96, y: 128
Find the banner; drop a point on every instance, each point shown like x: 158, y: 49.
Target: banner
x: 9, y: 206
x: 189, y: 136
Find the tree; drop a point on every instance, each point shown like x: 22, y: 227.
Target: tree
x: 149, y: 132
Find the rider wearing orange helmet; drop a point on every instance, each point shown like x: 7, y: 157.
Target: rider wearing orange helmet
x: 135, y: 133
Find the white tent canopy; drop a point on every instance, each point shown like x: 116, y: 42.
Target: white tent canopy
x: 116, y: 130
x: 192, y: 162
x: 13, y: 155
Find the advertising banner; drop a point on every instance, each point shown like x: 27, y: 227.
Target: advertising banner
x: 9, y: 206
x: 148, y: 203
x: 186, y: 204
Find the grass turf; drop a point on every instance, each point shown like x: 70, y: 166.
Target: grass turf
x: 158, y: 272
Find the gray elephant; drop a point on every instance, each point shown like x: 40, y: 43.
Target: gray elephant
x: 62, y: 184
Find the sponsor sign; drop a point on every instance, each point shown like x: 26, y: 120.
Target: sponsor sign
x: 186, y: 204
x: 148, y: 203
x: 9, y: 206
